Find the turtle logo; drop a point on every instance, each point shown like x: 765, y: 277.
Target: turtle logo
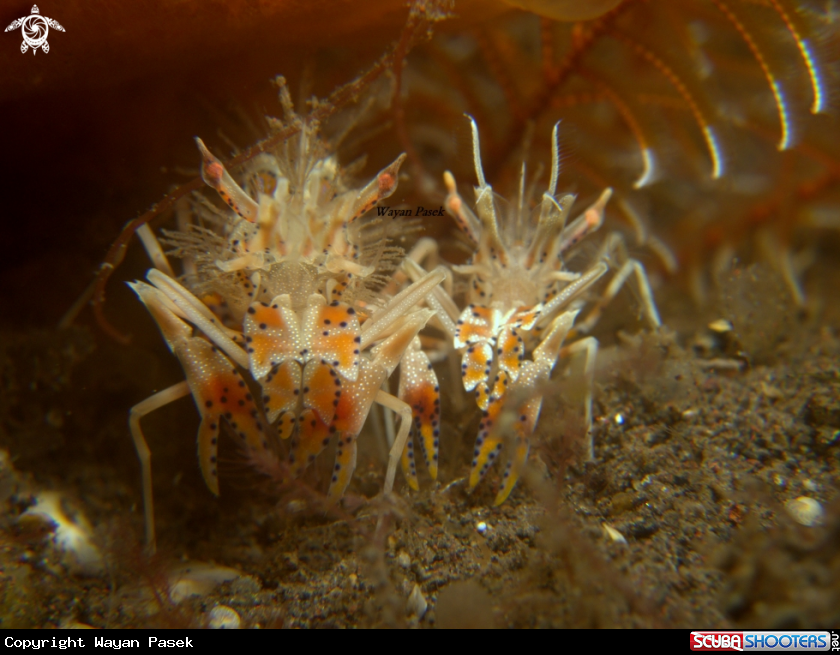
x: 35, y: 28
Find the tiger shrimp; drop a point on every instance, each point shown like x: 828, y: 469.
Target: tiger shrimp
x: 279, y: 295
x: 521, y: 307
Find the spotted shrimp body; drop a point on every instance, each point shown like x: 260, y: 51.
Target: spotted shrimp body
x: 521, y: 306
x: 279, y: 293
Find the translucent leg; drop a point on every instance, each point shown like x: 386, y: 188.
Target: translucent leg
x: 398, y: 406
x: 160, y: 399
x: 589, y: 347
x: 630, y: 267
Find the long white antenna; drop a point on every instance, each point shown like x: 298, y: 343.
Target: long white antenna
x: 479, y: 173
x: 555, y: 160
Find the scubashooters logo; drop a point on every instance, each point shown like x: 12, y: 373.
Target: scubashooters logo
x: 760, y: 641
x: 35, y: 29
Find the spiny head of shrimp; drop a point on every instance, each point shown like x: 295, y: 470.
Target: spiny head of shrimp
x: 294, y: 223
x: 507, y: 283
x: 519, y: 247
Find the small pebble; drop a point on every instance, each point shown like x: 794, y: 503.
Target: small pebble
x: 720, y: 326
x: 73, y: 535
x: 223, y: 617
x: 481, y: 526
x: 403, y: 559
x: 197, y: 579
x: 416, y: 604
x: 614, y: 534
x: 806, y: 511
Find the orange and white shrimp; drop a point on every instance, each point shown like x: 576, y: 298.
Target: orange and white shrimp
x: 521, y: 305
x: 277, y: 321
